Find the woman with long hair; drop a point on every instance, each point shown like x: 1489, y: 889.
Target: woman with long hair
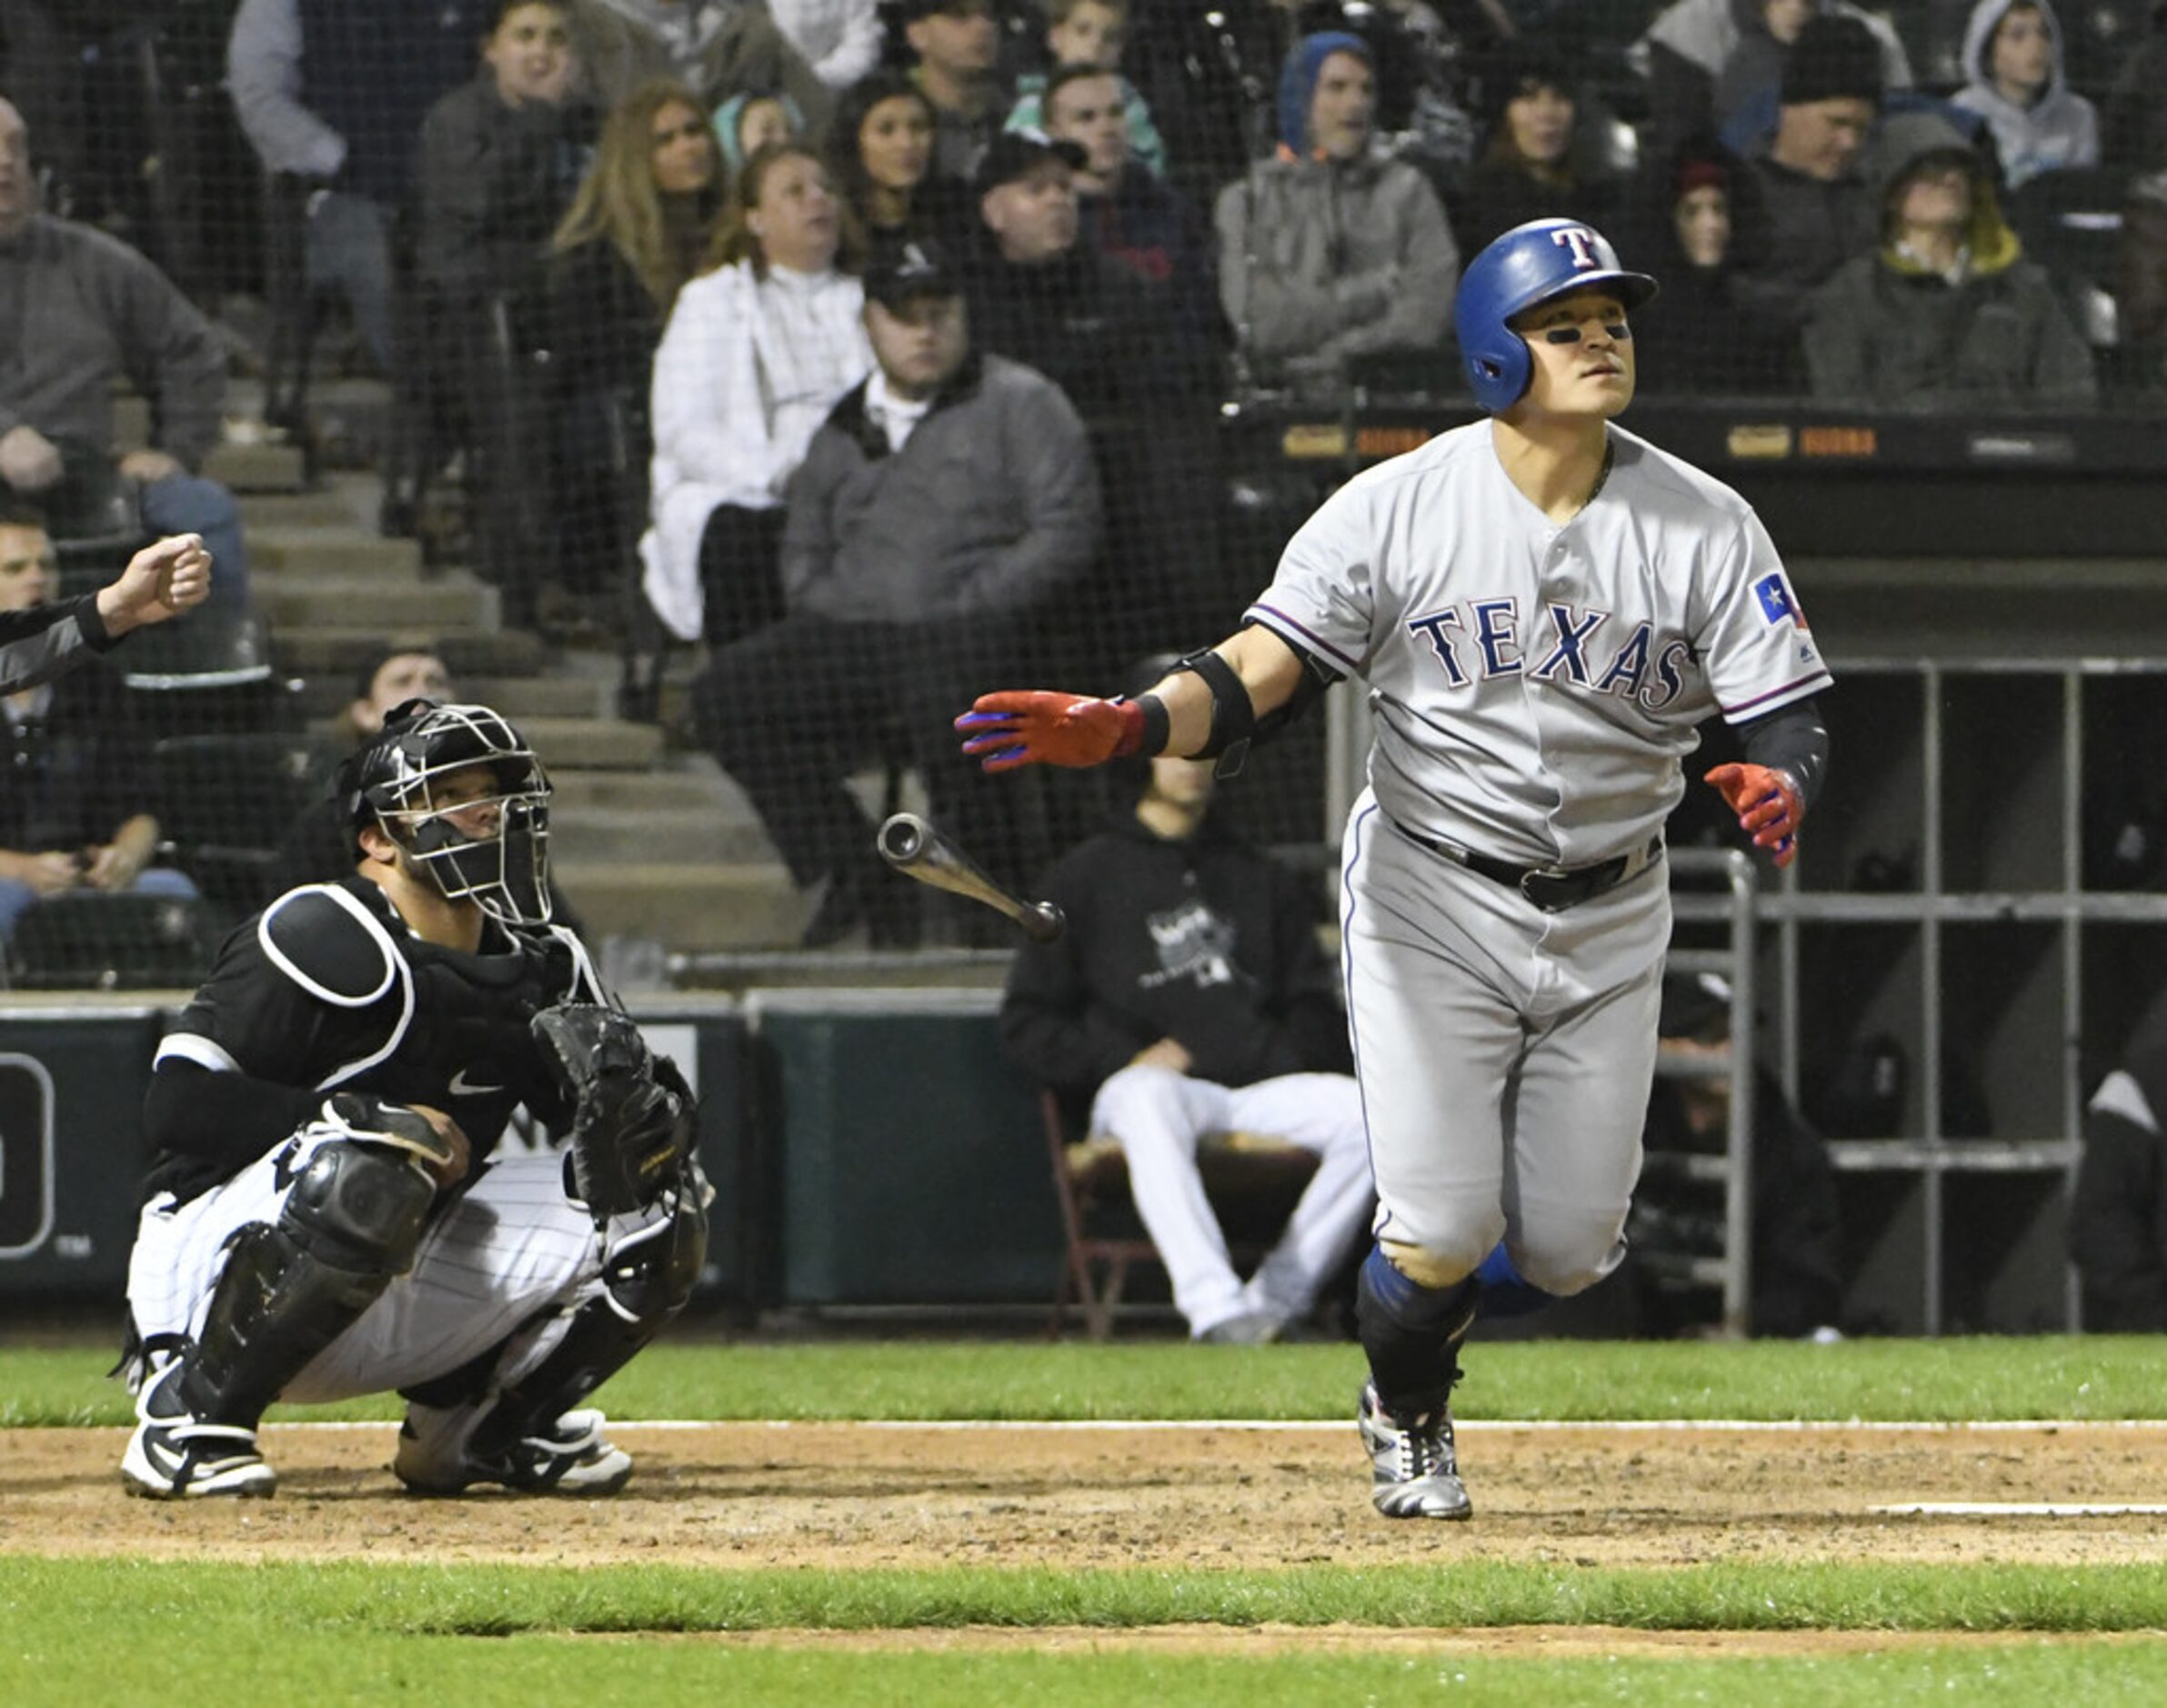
x: 1540, y: 159
x: 646, y: 212
x: 880, y: 154
x: 758, y: 352
x: 638, y: 229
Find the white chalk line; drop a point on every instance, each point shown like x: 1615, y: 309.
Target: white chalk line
x: 2022, y: 1509
x: 1469, y: 1426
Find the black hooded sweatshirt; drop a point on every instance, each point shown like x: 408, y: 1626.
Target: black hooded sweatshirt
x: 1203, y: 940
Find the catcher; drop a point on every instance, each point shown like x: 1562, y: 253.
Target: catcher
x: 327, y: 1213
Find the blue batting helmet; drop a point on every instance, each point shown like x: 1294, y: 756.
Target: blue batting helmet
x: 1531, y: 264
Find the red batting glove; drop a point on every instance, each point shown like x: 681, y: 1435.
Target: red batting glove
x: 1035, y: 727
x: 1766, y: 804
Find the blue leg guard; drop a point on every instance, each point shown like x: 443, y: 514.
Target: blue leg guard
x: 1506, y: 1292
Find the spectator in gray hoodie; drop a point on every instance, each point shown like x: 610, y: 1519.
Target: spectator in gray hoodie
x: 941, y: 511
x: 1330, y: 250
x: 1947, y: 314
x: 2013, y: 80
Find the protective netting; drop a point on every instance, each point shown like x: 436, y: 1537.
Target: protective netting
x: 777, y: 378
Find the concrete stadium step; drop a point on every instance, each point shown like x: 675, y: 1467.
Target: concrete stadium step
x: 314, y: 601
x: 593, y: 744
x: 319, y: 506
x: 542, y: 695
x: 339, y: 649
x: 690, y: 906
x: 575, y: 744
x: 654, y: 835
x: 660, y: 788
x: 331, y: 551
x: 518, y: 698
x: 251, y: 469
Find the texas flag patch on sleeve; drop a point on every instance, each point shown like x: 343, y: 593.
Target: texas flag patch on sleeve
x: 1777, y: 605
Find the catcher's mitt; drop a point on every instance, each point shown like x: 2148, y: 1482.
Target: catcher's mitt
x: 631, y: 1132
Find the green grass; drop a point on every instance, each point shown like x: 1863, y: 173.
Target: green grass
x: 116, y: 1632
x: 475, y: 1601
x: 124, y: 1631
x: 2063, y: 1376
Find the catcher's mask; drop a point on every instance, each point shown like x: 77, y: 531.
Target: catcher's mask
x: 399, y: 781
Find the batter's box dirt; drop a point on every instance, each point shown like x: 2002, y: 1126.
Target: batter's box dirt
x: 843, y: 1496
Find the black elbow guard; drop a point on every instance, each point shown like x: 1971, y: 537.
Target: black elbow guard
x: 1234, y: 720
x: 1233, y: 714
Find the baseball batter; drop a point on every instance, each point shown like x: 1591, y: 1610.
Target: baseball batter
x: 1542, y: 607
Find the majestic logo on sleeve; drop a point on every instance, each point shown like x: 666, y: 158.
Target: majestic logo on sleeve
x: 1567, y: 646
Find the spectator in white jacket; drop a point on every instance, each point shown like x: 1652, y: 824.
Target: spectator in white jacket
x: 840, y: 40
x: 756, y: 353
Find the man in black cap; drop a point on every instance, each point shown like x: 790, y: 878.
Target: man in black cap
x: 943, y: 507
x: 1816, y: 205
x: 1040, y: 295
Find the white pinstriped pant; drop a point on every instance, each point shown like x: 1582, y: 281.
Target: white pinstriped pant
x: 507, y: 1249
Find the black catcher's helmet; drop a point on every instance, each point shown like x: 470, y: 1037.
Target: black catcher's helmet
x: 395, y: 781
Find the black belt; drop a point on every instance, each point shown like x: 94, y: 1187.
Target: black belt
x: 1550, y: 888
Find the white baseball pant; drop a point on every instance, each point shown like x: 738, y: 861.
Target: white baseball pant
x: 509, y: 1252
x: 1160, y: 1117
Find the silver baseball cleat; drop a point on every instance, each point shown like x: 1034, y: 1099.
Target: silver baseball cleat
x: 1411, y: 1464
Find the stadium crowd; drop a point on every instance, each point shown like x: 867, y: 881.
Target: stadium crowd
x: 614, y: 259
x: 847, y: 341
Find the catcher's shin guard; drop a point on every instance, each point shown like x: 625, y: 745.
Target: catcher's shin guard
x: 647, y: 1278
x: 289, y: 1288
x: 1412, y: 1334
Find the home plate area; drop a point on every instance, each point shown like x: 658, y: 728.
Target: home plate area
x: 1176, y: 1495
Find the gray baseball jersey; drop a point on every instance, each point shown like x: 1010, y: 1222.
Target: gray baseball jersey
x: 1536, y: 686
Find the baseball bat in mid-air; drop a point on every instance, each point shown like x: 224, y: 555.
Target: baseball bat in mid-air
x: 921, y: 850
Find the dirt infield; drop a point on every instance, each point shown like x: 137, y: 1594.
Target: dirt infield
x: 846, y: 1496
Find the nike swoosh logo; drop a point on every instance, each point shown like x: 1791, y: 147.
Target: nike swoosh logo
x: 461, y: 1087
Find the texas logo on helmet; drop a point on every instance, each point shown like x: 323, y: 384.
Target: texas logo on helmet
x: 1581, y: 242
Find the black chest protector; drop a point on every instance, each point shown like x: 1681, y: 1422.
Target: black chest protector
x: 414, y: 1022
x: 467, y: 1049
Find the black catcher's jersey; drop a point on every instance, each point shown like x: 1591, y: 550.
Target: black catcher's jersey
x: 327, y: 989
